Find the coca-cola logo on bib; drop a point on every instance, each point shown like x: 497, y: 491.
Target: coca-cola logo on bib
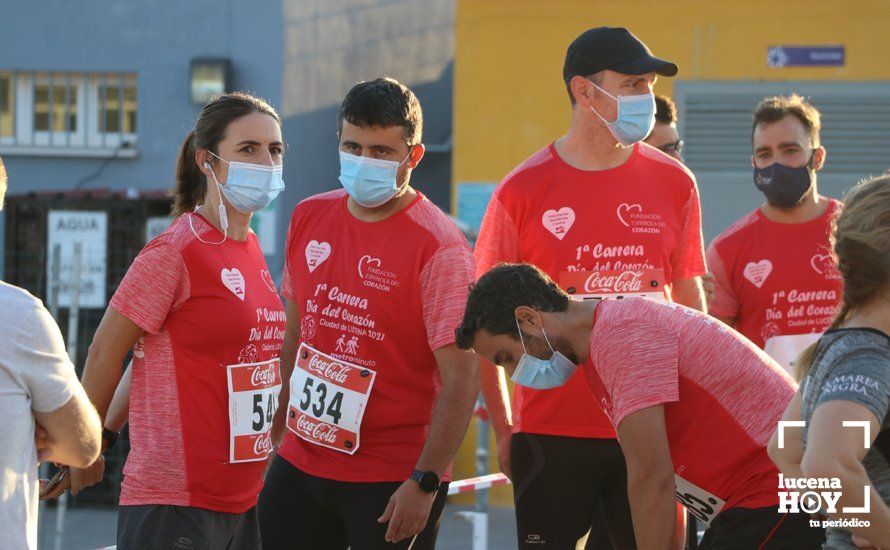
x: 263, y: 444
x: 622, y: 283
x: 263, y: 375
x: 330, y: 370
x: 318, y: 431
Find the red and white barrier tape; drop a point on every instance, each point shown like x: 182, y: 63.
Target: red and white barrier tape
x: 477, y: 483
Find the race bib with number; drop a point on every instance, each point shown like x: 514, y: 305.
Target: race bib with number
x: 328, y: 398
x: 253, y: 398
x: 613, y: 284
x: 700, y: 503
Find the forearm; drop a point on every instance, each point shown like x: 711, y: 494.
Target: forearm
x: 101, y: 375
x: 788, y: 458
x: 496, y: 396
x: 119, y: 410
x: 288, y: 358
x: 689, y: 292
x: 73, y: 432
x: 653, y: 508
x: 451, y: 417
x: 789, y: 468
x: 854, y: 479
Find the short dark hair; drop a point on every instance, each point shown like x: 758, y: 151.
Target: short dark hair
x: 665, y: 110
x: 494, y: 298
x: 775, y: 108
x: 383, y: 102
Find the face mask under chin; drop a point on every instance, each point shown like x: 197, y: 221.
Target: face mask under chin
x: 542, y: 374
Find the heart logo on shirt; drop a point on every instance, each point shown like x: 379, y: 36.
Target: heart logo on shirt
x: 267, y: 278
x: 757, y: 272
x: 316, y: 254
x: 624, y: 211
x: 559, y: 221
x: 823, y: 264
x: 366, y: 261
x: 234, y: 281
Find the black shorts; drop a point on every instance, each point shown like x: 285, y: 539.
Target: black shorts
x: 299, y: 511
x: 762, y: 529
x: 567, y: 487
x: 160, y: 526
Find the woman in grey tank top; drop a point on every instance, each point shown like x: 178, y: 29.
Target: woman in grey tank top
x: 841, y: 454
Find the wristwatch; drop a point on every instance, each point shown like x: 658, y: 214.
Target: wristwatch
x: 428, y: 481
x: 109, y: 436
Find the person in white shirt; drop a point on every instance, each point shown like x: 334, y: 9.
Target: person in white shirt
x: 39, y: 394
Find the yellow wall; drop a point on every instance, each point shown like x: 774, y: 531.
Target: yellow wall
x: 510, y: 99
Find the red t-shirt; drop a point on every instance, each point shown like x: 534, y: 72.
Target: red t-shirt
x: 722, y: 397
x: 203, y: 307
x: 628, y: 230
x: 777, y: 280
x: 380, y: 296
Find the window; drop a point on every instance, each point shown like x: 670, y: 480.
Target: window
x: 70, y: 114
x: 55, y: 107
x: 118, y: 111
x: 7, y: 100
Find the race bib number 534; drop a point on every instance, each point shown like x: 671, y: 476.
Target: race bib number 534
x: 328, y: 398
x: 253, y: 398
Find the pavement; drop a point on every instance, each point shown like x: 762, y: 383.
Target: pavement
x: 88, y: 528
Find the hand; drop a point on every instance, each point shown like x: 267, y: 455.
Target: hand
x: 269, y: 460
x: 81, y: 478
x: 41, y: 442
x: 407, y: 511
x: 709, y: 285
x: 862, y: 543
x: 55, y: 487
x: 78, y: 479
x: 504, y: 455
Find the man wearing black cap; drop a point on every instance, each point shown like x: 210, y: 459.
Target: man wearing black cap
x: 605, y: 216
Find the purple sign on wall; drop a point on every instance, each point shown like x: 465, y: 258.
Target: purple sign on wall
x: 805, y: 56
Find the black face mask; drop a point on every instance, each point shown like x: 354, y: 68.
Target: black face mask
x: 784, y: 187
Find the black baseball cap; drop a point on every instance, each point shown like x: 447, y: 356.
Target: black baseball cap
x: 613, y: 48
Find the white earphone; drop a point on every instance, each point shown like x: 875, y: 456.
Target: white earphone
x: 223, y: 217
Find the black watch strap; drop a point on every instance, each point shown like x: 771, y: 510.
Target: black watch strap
x: 428, y: 481
x: 109, y: 436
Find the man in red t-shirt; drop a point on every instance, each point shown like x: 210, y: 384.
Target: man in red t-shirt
x: 694, y: 403
x: 775, y: 279
x: 605, y: 216
x: 379, y: 398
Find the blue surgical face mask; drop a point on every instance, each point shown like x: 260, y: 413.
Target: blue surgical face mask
x: 370, y: 182
x: 636, y: 117
x: 542, y: 374
x: 250, y: 187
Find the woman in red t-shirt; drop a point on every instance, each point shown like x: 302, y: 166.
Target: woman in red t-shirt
x: 205, y: 323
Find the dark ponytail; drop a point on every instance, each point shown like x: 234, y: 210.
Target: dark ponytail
x: 861, y: 243
x: 210, y: 129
